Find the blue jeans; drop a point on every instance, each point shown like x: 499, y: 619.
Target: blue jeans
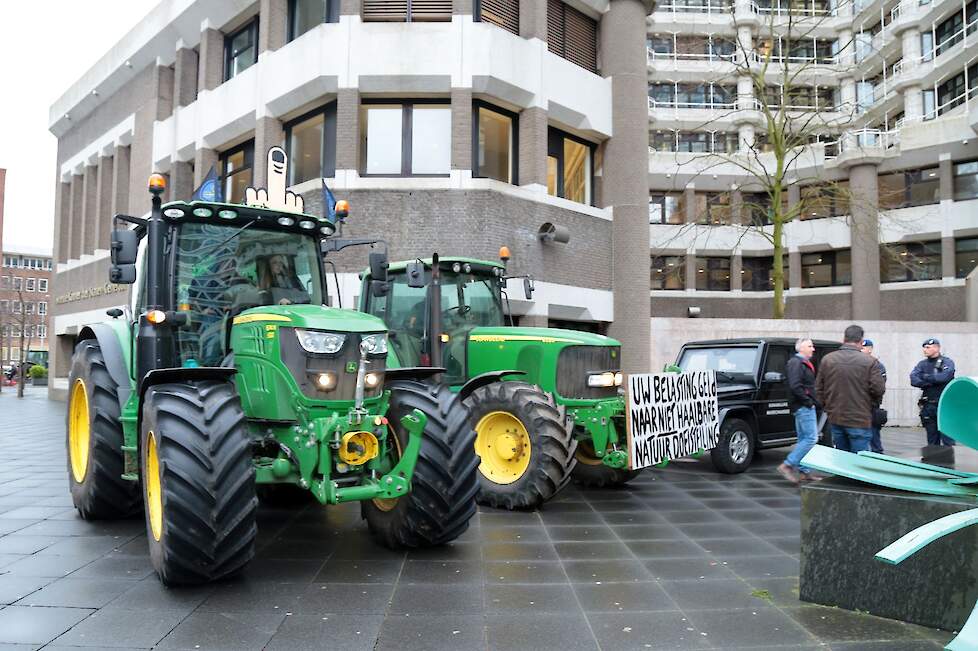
x: 806, y: 426
x: 851, y: 439
x: 876, y: 443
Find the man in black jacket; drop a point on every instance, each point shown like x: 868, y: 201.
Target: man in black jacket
x: 801, y: 381
x: 931, y: 375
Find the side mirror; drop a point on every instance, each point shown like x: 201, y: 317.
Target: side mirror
x: 378, y: 266
x: 125, y: 244
x: 379, y: 288
x: 528, y: 288
x: 122, y: 274
x: 415, y: 274
x: 773, y: 377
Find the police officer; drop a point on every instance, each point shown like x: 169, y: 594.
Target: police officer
x: 932, y: 374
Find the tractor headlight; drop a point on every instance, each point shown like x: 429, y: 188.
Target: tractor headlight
x: 604, y: 380
x: 325, y: 381
x: 372, y: 380
x: 313, y: 341
x: 374, y: 344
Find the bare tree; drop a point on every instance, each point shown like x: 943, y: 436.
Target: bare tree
x: 25, y: 320
x: 797, y: 125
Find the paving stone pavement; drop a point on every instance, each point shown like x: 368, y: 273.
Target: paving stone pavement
x: 682, y: 558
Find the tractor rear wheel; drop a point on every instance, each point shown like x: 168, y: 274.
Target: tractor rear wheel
x: 94, y: 439
x: 591, y: 472
x: 525, y: 443
x: 441, y: 500
x: 198, y: 481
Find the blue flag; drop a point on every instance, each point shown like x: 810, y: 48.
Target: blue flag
x: 210, y: 189
x: 329, y: 204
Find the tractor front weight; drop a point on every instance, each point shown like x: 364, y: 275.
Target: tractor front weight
x: 599, y: 420
x: 343, y: 457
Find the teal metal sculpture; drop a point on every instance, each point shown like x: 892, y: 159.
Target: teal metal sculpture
x: 957, y: 416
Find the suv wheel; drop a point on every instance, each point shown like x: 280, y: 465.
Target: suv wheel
x: 735, y: 448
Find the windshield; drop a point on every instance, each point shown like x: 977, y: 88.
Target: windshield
x: 729, y: 361
x: 222, y: 270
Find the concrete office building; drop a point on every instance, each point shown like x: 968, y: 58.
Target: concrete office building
x: 898, y: 81
x: 454, y: 126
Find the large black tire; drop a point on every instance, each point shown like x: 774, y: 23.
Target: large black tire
x: 95, y: 465
x: 735, y: 447
x: 546, y: 435
x: 441, y: 500
x: 590, y: 472
x: 201, y: 486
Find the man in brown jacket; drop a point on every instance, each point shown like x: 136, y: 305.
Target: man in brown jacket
x: 849, y: 385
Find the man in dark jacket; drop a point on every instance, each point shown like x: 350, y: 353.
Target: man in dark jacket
x: 878, y: 417
x: 849, y: 385
x: 801, y: 381
x: 931, y: 375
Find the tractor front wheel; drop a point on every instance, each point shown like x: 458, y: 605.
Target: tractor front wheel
x: 591, y: 472
x: 525, y: 443
x: 94, y: 439
x: 441, y: 500
x: 198, y: 481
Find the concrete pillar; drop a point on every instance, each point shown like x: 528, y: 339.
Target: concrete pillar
x: 462, y: 129
x: 794, y: 269
x: 103, y: 202
x: 864, y: 235
x: 76, y: 221
x: 120, y: 180
x: 533, y: 19
x: 62, y: 228
x: 182, y: 181
x: 847, y: 94
x: 910, y: 43
x: 184, y: 78
x: 625, y: 180
x: 204, y: 160
x: 347, y: 129
x: 268, y: 133
x: 747, y: 138
x: 349, y: 7
x: 946, y: 174
x: 462, y: 7
x: 736, y: 277
x: 737, y: 212
x: 690, y: 270
x: 689, y: 199
x: 210, y: 73
x: 847, y: 56
x: 164, y: 84
x: 947, y: 257
x: 273, y: 17
x: 913, y: 103
x: 533, y: 148
x: 89, y: 229
x: 794, y: 196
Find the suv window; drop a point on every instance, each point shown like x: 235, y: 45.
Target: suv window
x: 728, y: 359
x: 777, y: 359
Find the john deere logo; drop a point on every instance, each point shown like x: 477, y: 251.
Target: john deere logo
x: 351, y: 367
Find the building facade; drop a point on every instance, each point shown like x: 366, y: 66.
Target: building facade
x: 887, y: 190
x: 25, y: 299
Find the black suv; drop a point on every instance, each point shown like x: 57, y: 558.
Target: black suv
x: 753, y: 393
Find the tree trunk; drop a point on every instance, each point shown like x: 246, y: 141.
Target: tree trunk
x: 23, y: 358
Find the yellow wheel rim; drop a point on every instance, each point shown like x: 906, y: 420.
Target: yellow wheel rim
x: 504, y: 446
x: 154, y: 491
x: 388, y: 503
x: 79, y: 432
x: 585, y: 454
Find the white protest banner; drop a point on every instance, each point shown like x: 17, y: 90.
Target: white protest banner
x: 670, y: 416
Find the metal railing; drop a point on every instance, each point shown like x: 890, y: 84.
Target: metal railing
x: 674, y: 57
x: 655, y: 104
x: 868, y: 138
x: 700, y: 7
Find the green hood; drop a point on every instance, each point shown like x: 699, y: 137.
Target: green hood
x: 543, y: 335
x: 314, y: 317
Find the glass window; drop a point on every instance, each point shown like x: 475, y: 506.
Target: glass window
x: 663, y: 141
x: 663, y: 94
x: 236, y: 166
x: 914, y: 261
x: 695, y: 142
x: 42, y: 307
x: 666, y: 208
x: 669, y: 272
x: 18, y: 284
x: 965, y: 256
x: 757, y: 207
x: 495, y: 148
x: 307, y: 14
x: 826, y: 269
x: 31, y: 284
x: 569, y: 175
x: 713, y: 208
x: 966, y: 180
x: 311, y: 145
x: 407, y: 138
x: 42, y: 284
x: 5, y: 282
x: 733, y: 360
x: 241, y: 50
x: 726, y: 142
x: 713, y: 274
x: 757, y: 273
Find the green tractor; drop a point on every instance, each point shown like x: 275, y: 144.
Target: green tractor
x: 231, y: 375
x: 558, y: 412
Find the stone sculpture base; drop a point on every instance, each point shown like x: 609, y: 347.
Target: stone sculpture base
x: 844, y: 523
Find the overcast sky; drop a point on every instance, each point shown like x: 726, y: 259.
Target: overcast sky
x: 44, y: 48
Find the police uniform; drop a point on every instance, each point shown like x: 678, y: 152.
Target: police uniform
x: 931, y: 375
